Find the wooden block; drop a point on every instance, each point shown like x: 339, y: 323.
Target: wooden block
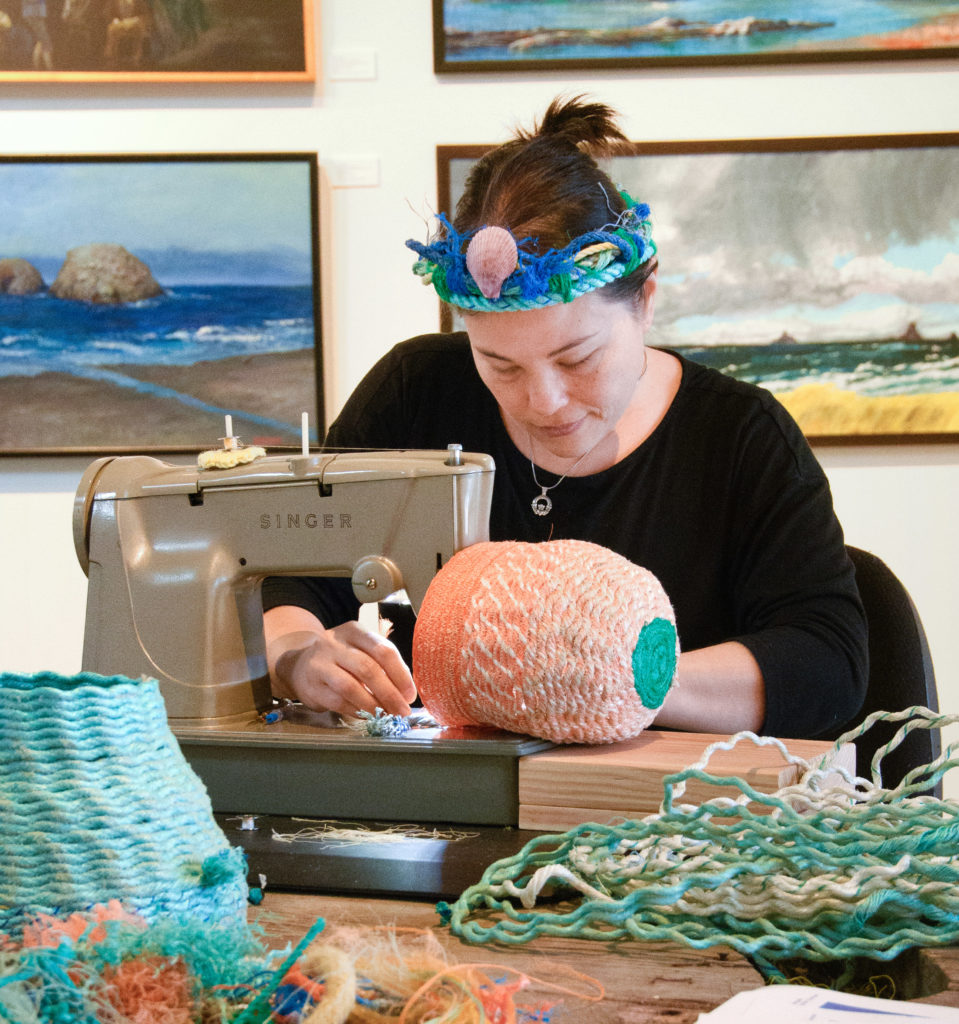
x: 537, y: 818
x: 566, y: 786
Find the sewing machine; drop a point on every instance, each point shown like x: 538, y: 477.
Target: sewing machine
x: 175, y: 556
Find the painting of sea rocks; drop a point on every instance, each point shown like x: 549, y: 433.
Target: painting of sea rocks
x: 132, y: 326
x: 488, y: 35
x: 104, y: 274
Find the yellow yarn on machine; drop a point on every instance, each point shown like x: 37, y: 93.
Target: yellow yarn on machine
x: 227, y: 458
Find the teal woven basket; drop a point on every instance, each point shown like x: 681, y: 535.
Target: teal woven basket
x: 98, y: 803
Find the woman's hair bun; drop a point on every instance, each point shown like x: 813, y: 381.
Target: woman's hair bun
x: 587, y: 125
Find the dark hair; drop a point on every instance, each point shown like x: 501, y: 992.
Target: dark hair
x: 546, y: 186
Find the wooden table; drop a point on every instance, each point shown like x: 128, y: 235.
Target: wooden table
x: 645, y: 983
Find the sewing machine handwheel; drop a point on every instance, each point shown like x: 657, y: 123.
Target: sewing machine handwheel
x: 375, y: 578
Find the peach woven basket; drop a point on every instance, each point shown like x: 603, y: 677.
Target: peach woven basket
x: 564, y: 640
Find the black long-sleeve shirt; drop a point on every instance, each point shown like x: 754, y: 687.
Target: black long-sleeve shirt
x: 724, y: 502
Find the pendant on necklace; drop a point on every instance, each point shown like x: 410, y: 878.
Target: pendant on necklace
x: 542, y: 504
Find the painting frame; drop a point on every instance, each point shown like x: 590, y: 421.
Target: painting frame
x: 447, y: 39
x: 232, y: 301
x: 270, y: 49
x: 453, y: 161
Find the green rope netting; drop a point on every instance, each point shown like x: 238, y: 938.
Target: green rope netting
x: 830, y: 868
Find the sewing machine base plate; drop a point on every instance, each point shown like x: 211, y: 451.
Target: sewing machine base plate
x: 296, y: 767
x: 369, y: 858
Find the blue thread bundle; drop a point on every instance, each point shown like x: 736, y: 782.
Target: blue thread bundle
x: 831, y: 868
x: 381, y: 723
x: 98, y: 803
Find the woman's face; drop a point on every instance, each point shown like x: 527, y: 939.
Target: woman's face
x: 564, y: 375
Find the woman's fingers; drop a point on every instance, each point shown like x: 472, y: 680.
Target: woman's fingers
x: 348, y: 669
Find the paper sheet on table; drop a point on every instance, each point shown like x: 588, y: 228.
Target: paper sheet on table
x: 802, y: 1004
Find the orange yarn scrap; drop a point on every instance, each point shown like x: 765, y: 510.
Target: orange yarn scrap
x: 564, y: 640
x: 151, y: 990
x: 49, y: 931
x: 404, y: 976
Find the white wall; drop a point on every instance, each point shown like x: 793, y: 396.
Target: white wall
x: 898, y: 501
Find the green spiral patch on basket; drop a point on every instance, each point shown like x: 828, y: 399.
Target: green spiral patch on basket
x: 654, y: 661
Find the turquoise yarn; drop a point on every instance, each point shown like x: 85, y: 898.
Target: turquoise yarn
x: 654, y: 661
x: 97, y: 803
x: 71, y: 982
x: 259, y: 1011
x: 830, y: 868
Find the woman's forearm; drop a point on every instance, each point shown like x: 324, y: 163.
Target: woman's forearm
x: 288, y: 630
x: 719, y: 689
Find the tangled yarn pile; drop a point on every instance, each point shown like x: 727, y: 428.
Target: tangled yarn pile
x: 393, y: 975
x: 564, y: 640
x: 832, y: 867
x: 106, y: 966
x: 109, y: 967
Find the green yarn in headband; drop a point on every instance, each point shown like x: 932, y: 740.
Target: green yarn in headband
x: 488, y: 270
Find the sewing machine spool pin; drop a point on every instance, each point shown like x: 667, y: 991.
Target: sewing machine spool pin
x: 230, y: 442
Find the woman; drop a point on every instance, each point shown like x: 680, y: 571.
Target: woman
x: 702, y: 479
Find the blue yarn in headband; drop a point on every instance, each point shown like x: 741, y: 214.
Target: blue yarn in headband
x: 533, y: 281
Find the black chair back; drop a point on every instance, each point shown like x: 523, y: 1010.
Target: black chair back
x: 900, y: 672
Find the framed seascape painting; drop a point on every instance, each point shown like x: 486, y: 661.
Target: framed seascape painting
x: 531, y: 35
x: 145, y: 299
x: 825, y: 270
x: 156, y: 40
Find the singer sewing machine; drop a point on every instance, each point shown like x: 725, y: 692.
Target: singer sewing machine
x: 175, y: 556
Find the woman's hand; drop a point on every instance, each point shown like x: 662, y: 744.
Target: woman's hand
x: 345, y: 669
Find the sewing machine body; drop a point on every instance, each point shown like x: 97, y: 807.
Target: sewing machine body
x: 175, y: 556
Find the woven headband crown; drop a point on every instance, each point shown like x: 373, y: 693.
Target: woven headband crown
x: 488, y: 270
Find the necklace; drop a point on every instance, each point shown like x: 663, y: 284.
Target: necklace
x: 542, y: 504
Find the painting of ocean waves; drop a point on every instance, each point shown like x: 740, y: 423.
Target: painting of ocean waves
x: 186, y: 325
x: 870, y: 369
x: 829, y: 276
x: 143, y: 301
x: 562, y: 32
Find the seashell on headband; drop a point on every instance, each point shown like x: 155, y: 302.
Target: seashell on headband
x: 491, y: 257
x: 564, y: 640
